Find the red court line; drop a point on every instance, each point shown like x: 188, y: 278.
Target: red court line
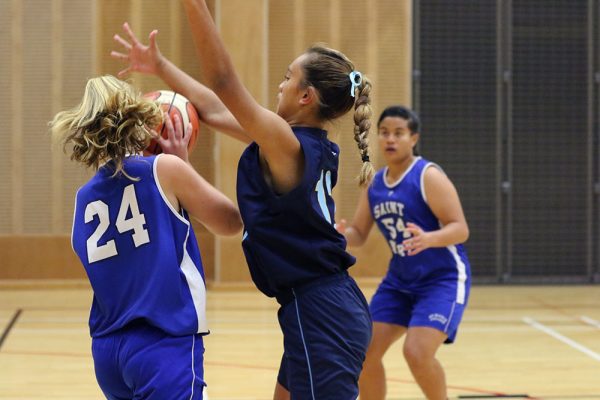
x: 44, y: 353
x: 243, y: 366
x: 559, y: 310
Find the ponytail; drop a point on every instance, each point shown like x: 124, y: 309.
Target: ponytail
x: 362, y: 125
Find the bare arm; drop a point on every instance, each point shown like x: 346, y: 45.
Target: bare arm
x: 149, y: 60
x: 277, y: 142
x: 444, y: 202
x: 184, y: 187
x: 357, y: 232
x: 198, y: 197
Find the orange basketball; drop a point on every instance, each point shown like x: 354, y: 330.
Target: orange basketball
x: 174, y: 104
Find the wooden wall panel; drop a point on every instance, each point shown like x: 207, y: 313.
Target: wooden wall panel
x: 37, y: 108
x: 37, y: 186
x: 7, y: 109
x: 317, y: 17
x: 77, y: 65
x: 157, y: 16
x: 389, y: 68
x: 394, y: 67
x: 281, y: 51
x: 16, y: 132
x: 39, y: 257
x: 111, y: 14
x: 242, y: 25
x: 203, y: 157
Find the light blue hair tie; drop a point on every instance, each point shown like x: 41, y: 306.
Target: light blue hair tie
x: 356, y: 80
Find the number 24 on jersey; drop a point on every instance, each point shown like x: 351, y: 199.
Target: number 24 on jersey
x: 135, y: 223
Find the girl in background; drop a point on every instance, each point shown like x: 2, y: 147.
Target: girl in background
x: 425, y: 291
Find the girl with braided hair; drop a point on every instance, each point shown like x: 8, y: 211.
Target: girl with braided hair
x: 425, y: 292
x: 284, y: 183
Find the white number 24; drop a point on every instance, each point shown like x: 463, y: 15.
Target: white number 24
x: 135, y: 223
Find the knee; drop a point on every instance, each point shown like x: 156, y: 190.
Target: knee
x: 415, y: 355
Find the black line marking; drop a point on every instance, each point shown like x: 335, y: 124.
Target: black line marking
x: 12, y: 322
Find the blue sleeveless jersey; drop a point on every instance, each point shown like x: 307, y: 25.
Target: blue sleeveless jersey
x: 291, y: 239
x: 392, y: 207
x: 140, y: 254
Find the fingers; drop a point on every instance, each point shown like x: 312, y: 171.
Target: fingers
x: 340, y: 226
x: 169, y: 126
x: 124, y: 72
x: 175, y: 143
x: 413, y: 229
x: 412, y: 246
x: 175, y: 130
x: 178, y: 132
x: 187, y: 135
x: 119, y: 56
x: 122, y: 42
x: 152, y: 38
x: 130, y: 33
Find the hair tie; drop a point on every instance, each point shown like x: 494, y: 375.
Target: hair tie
x: 365, y: 158
x: 356, y: 80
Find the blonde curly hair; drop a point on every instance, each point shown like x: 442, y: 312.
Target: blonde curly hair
x: 112, y: 121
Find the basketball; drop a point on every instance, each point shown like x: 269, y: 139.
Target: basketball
x: 174, y: 104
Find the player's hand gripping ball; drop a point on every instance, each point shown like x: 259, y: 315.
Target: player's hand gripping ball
x: 174, y: 104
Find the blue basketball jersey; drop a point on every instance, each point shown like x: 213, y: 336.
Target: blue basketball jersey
x: 140, y: 254
x: 392, y: 207
x: 290, y: 239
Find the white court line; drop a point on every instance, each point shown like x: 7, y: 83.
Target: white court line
x: 564, y: 339
x: 590, y: 321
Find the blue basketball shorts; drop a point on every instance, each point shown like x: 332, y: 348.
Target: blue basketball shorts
x: 143, y: 362
x: 326, y: 331
x: 435, y: 305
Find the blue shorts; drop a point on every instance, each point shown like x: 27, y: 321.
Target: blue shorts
x: 143, y: 362
x: 326, y: 331
x: 434, y: 305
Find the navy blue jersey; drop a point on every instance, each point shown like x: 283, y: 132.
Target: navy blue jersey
x: 290, y: 239
x: 140, y: 254
x: 392, y: 207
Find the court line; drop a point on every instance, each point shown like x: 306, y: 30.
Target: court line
x: 12, y: 323
x: 533, y: 323
x: 242, y: 366
x: 590, y: 321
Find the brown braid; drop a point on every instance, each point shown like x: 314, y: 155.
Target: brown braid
x: 328, y: 71
x: 362, y: 126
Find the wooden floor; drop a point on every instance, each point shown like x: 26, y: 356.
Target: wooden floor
x: 541, y: 341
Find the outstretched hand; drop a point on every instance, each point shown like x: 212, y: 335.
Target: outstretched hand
x: 141, y: 58
x: 418, y: 242
x: 177, y: 139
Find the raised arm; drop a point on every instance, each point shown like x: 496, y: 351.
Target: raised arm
x: 357, y: 232
x: 149, y: 60
x: 198, y: 197
x: 278, y: 144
